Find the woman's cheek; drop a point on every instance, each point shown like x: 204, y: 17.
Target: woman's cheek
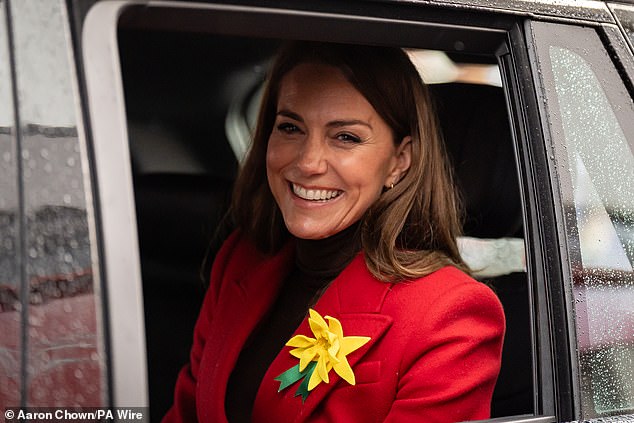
x: 278, y: 154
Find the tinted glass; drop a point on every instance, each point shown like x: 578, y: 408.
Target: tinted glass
x: 63, y: 341
x: 592, y: 125
x: 10, y: 295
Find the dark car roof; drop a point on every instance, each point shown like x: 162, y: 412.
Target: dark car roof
x: 586, y: 10
x: 589, y: 10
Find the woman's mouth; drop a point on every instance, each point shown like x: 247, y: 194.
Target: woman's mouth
x: 314, y: 194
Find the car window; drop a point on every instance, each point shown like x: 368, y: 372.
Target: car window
x: 188, y: 194
x: 56, y: 294
x: 10, y: 318
x: 592, y: 117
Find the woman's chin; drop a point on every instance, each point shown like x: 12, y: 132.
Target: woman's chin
x: 311, y: 232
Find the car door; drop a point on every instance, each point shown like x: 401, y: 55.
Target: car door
x: 584, y: 75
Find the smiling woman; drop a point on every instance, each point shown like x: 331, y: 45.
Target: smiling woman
x: 383, y: 89
x: 345, y: 209
x: 330, y: 154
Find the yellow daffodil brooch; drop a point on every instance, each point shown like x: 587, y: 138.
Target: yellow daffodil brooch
x: 318, y: 355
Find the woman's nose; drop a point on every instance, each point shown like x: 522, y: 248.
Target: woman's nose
x: 312, y: 156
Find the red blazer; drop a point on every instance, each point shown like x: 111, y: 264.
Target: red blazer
x: 434, y: 353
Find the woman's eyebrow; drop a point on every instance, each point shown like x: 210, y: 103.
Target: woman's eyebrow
x: 348, y: 122
x: 332, y: 124
x: 289, y: 114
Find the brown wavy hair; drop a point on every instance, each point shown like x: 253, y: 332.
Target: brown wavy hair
x: 411, y: 230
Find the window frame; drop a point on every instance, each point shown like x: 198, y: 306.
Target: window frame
x: 540, y: 217
x: 113, y: 182
x: 624, y: 15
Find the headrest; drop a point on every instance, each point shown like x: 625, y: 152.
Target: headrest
x: 475, y: 127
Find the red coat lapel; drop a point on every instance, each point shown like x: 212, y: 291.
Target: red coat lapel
x: 355, y: 298
x: 246, y: 294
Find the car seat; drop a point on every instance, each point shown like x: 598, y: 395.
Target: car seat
x: 475, y: 125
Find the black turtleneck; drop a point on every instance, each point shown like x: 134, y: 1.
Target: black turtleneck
x: 317, y: 263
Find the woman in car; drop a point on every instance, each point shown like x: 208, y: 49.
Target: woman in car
x: 342, y: 296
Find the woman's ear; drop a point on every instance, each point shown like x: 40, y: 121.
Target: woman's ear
x: 403, y: 161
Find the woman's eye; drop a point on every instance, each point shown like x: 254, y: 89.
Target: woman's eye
x: 287, y: 128
x: 345, y: 137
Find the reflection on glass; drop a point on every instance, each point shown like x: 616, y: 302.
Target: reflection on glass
x: 63, y: 339
x: 10, y: 362
x: 601, y: 165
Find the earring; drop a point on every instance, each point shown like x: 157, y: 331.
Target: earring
x: 392, y: 185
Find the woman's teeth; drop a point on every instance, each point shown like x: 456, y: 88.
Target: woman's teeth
x: 314, y: 194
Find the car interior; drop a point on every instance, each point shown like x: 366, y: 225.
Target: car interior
x: 190, y: 96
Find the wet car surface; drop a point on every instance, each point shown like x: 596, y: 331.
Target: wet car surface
x: 123, y: 123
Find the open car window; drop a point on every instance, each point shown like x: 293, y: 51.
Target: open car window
x: 190, y: 100
x: 188, y: 138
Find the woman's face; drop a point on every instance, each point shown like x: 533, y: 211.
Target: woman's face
x: 329, y: 154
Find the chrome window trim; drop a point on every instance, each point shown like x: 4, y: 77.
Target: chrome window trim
x: 121, y: 262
